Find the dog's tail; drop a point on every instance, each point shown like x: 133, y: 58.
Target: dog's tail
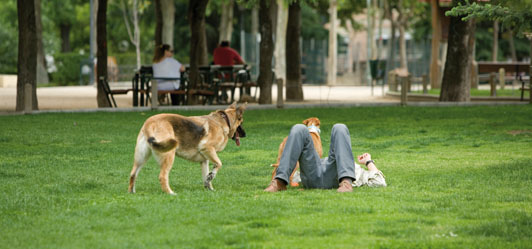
x: 162, y: 146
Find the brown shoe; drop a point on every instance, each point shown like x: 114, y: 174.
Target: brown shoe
x: 275, y: 186
x: 345, y: 186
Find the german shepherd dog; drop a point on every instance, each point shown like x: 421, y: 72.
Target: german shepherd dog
x: 197, y: 139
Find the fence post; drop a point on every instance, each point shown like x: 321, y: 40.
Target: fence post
x: 493, y: 86
x: 154, y: 95
x: 404, y: 90
x: 425, y: 83
x: 501, y: 77
x: 392, y: 81
x: 280, y: 102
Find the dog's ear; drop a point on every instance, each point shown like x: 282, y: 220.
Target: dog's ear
x: 240, y: 109
x: 232, y: 106
x: 306, y: 121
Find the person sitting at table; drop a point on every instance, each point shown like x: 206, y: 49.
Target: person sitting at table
x: 226, y: 56
x: 165, y: 66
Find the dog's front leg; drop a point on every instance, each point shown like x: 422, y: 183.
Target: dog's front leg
x: 205, y: 173
x: 210, y: 153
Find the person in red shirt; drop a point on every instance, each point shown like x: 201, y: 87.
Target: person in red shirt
x: 226, y: 56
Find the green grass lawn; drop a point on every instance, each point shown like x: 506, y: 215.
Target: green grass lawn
x: 459, y: 177
x: 507, y: 92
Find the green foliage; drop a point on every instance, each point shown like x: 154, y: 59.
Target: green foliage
x: 8, y: 50
x: 459, y: 177
x: 8, y: 37
x: 515, y: 14
x: 313, y: 22
x: 484, y: 43
x: 68, y: 68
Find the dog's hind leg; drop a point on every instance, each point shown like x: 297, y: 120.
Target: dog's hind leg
x: 210, y: 153
x: 166, y: 161
x: 142, y: 154
x: 205, y: 173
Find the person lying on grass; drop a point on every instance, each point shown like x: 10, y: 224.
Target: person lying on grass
x: 338, y: 170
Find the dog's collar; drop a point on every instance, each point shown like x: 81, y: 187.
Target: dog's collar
x: 224, y: 115
x: 314, y: 129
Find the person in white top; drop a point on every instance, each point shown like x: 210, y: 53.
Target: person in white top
x: 165, y: 66
x: 372, y: 177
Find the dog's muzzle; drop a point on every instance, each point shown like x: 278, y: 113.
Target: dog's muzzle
x: 238, y: 134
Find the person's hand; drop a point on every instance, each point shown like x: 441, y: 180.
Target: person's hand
x: 364, y: 158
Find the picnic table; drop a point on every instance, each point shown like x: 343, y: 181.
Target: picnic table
x: 215, y: 81
x: 518, y: 69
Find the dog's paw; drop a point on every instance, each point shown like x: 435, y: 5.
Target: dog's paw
x: 208, y: 185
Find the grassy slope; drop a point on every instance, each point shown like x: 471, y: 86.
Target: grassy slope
x: 457, y: 179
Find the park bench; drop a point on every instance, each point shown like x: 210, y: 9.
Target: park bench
x: 145, y: 85
x: 518, y: 69
x: 109, y: 93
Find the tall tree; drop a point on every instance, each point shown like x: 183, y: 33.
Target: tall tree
x: 332, y: 60
x: 435, y: 45
x: 196, y: 18
x: 158, y: 23
x: 27, y: 56
x: 294, y: 86
x: 168, y: 16
x: 455, y: 83
x: 266, y: 52
x: 226, y: 21
x: 130, y: 12
x: 62, y: 13
x: 515, y: 14
x: 42, y: 73
x: 280, y: 40
x: 101, y: 39
x: 495, y: 47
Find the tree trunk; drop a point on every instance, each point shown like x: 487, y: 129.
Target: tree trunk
x: 512, y: 45
x: 280, y: 40
x: 135, y: 36
x: 158, y: 23
x: 168, y: 18
x: 266, y: 52
x: 42, y: 73
x: 495, y: 47
x: 204, y: 53
x: 471, y: 57
x: 65, y: 37
x: 391, y: 56
x: 101, y: 39
x: 294, y: 88
x: 27, y: 56
x: 332, y: 61
x: 196, y: 18
x: 137, y: 32
x: 402, y: 40
x: 455, y: 85
x: 226, y: 21
x: 435, y: 49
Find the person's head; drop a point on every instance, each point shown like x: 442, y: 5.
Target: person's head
x: 162, y: 51
x: 224, y: 44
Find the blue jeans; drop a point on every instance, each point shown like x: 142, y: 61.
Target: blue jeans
x: 315, y: 172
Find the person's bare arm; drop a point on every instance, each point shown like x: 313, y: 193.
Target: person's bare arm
x: 364, y: 158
